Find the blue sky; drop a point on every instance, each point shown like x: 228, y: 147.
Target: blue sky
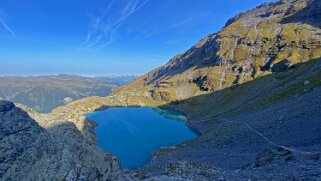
x: 103, y: 37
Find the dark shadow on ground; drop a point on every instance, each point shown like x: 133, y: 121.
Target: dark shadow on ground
x: 236, y: 122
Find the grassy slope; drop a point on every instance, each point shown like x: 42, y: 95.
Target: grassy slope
x: 244, y: 50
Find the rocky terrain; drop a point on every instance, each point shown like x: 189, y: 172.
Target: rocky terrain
x: 45, y: 93
x: 57, y: 151
x: 271, y: 38
x: 252, y: 89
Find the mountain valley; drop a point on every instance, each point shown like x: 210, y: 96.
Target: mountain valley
x: 44, y: 93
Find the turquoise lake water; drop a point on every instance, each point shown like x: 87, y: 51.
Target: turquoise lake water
x: 133, y: 134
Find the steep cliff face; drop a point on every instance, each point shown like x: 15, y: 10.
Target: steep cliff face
x: 55, y: 152
x: 271, y: 38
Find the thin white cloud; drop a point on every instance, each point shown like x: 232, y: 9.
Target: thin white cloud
x: 182, y: 23
x: 4, y: 24
x: 102, y: 29
x: 173, y: 42
x: 188, y: 20
x: 111, y: 4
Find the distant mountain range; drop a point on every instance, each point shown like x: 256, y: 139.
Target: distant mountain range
x: 44, y: 93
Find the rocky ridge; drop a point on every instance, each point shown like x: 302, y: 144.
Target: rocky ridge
x: 256, y: 43
x: 57, y: 151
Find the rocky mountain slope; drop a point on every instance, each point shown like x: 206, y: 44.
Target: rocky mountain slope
x: 271, y: 38
x: 57, y: 151
x: 45, y: 93
x: 265, y: 129
x: 252, y: 90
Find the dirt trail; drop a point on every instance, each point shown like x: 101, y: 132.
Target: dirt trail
x: 272, y: 143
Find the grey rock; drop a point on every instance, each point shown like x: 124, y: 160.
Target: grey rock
x: 281, y: 66
x: 57, y: 152
x: 5, y: 106
x: 306, y: 82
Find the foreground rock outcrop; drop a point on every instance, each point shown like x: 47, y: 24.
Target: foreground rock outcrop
x: 55, y: 152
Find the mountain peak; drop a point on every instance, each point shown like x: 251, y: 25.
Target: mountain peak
x: 272, y: 37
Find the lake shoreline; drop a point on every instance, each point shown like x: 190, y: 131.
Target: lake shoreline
x: 167, y: 114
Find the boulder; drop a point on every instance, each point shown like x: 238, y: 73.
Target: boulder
x: 282, y: 66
